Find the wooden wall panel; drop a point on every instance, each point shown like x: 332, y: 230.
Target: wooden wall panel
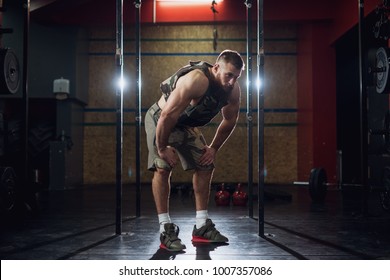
x: 165, y: 49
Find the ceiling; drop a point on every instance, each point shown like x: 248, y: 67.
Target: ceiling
x: 54, y: 4
x: 342, y: 14
x: 103, y: 11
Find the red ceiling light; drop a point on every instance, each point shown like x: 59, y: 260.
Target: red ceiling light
x: 184, y: 10
x: 185, y: 2
x: 198, y: 1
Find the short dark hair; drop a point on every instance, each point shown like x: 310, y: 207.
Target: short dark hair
x: 232, y: 57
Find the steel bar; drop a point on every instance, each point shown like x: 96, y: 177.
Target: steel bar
x: 119, y: 113
x: 138, y: 118
x: 249, y: 110
x: 25, y: 96
x: 363, y: 109
x: 260, y: 114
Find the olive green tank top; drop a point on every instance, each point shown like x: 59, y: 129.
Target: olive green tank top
x: 208, y: 106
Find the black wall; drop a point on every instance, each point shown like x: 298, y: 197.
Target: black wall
x: 348, y: 115
x: 53, y: 52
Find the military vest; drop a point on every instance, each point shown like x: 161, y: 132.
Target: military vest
x: 208, y: 106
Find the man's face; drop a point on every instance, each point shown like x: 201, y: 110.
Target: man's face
x: 226, y: 75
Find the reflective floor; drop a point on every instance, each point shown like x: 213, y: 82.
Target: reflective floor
x: 80, y: 224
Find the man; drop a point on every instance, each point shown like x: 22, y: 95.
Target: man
x: 192, y: 97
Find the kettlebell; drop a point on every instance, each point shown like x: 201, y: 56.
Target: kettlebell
x: 222, y: 197
x: 239, y: 198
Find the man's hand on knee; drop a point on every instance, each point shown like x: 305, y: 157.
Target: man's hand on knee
x: 208, y: 156
x: 169, y: 155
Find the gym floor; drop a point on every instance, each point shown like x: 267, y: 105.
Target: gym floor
x: 80, y: 224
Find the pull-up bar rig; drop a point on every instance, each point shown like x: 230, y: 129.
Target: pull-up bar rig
x: 260, y: 124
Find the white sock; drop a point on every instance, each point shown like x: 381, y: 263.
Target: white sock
x: 201, y: 217
x: 163, y: 218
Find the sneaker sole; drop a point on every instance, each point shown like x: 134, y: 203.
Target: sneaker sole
x: 199, y: 239
x: 162, y: 246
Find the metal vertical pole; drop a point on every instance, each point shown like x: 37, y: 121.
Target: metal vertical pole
x: 363, y: 110
x: 260, y: 113
x: 138, y: 118
x: 26, y: 33
x: 119, y: 113
x: 249, y: 109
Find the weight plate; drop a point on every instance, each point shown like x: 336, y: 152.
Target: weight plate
x: 382, y: 64
x: 317, y: 184
x: 385, y: 194
x: 7, y: 189
x: 9, y: 72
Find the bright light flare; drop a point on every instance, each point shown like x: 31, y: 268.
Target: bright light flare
x: 259, y: 83
x: 121, y: 83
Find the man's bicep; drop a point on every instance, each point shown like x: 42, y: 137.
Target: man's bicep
x: 178, y: 100
x: 233, y: 108
x: 172, y: 109
x: 230, y: 112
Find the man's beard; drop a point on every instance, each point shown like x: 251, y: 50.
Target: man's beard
x: 225, y: 88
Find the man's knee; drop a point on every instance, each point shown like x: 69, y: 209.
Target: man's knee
x: 162, y: 173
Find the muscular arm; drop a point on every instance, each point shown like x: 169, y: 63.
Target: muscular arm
x: 230, y: 115
x: 189, y: 87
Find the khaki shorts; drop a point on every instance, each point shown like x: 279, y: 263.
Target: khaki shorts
x: 188, y: 142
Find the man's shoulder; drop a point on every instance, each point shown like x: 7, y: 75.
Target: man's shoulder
x: 197, y: 76
x: 200, y: 63
x: 194, y: 83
